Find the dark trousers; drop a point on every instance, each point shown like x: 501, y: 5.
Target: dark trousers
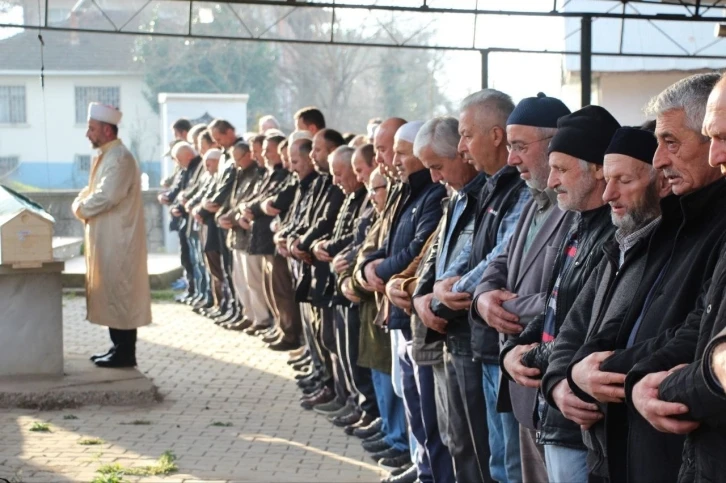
x: 359, y: 378
x: 214, y: 263
x: 230, y: 297
x: 329, y: 345
x: 186, y: 260
x: 280, y: 298
x: 124, y: 342
x: 468, y: 430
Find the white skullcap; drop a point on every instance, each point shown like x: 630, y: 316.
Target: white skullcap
x: 104, y: 113
x: 408, y: 131
x: 273, y: 132
x: 213, y: 153
x: 297, y: 135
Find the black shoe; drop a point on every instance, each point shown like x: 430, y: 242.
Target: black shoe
x: 284, y: 346
x: 303, y: 375
x: 376, y: 446
x: 391, y: 454
x: 407, y: 475
x: 376, y: 437
x: 255, y: 330
x: 301, y: 366
x: 240, y: 326
x: 116, y: 360
x: 214, y: 314
x: 368, y: 431
x: 308, y: 391
x: 364, y: 421
x: 347, y: 420
x: 182, y: 298
x: 203, y: 305
x: 305, y: 356
x: 226, y: 318
x: 95, y: 357
x: 308, y: 382
x: 272, y: 337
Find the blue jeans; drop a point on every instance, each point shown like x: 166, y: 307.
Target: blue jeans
x: 393, y: 414
x: 566, y: 464
x: 504, y: 463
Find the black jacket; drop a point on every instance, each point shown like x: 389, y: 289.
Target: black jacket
x: 318, y: 224
x: 419, y: 213
x: 607, y: 295
x: 498, y: 200
x: 342, y: 237
x: 458, y: 333
x: 304, y: 197
x: 681, y: 258
x: 593, y: 229
x: 260, y: 234
x: 244, y: 185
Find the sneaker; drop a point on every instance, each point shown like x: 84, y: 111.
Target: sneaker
x: 378, y: 436
x: 368, y: 431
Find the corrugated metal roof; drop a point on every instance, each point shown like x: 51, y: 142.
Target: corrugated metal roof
x: 644, y: 37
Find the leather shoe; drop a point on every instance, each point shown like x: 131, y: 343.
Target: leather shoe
x: 405, y: 474
x: 333, y: 407
x: 301, y: 366
x: 95, y: 357
x: 364, y: 421
x: 346, y: 419
x: 376, y: 437
x: 116, y: 360
x: 305, y: 375
x: 391, y: 454
x: 311, y: 390
x: 308, y: 382
x: 255, y: 330
x: 365, y: 432
x: 243, y: 324
x: 302, y: 357
x: 284, y: 346
x: 376, y: 446
x: 324, y: 396
x: 395, y: 462
x: 272, y: 337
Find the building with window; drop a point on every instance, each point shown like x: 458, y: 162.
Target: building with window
x: 42, y: 128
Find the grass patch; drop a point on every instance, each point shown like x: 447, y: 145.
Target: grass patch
x: 69, y: 416
x: 220, y: 424
x: 40, y: 428
x: 114, y: 472
x: 90, y: 441
x: 138, y: 422
x: 163, y: 295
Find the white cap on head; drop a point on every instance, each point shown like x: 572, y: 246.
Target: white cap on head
x: 408, y: 131
x: 213, y: 153
x: 104, y: 113
x: 296, y: 135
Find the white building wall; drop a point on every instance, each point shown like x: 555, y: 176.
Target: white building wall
x: 139, y: 127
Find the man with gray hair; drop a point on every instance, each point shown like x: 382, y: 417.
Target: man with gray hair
x: 690, y: 238
x: 539, y: 231
x: 491, y: 202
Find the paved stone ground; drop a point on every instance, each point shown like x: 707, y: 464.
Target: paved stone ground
x: 207, y: 375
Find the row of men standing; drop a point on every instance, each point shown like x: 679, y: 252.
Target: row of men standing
x: 527, y: 326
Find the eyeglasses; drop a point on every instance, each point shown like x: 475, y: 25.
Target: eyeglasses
x: 373, y: 190
x: 518, y: 147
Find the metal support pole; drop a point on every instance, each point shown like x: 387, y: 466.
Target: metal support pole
x: 484, y: 68
x: 586, y: 60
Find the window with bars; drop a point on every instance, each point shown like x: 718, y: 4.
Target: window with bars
x: 85, y: 95
x: 8, y: 164
x: 82, y: 162
x: 12, y: 105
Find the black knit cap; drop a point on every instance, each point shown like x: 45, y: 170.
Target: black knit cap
x: 540, y: 111
x: 634, y: 142
x: 585, y: 134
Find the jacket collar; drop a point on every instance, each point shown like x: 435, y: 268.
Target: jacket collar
x: 307, y: 180
x: 474, y: 186
x: 591, y: 219
x: 194, y: 163
x: 359, y: 193
x: 703, y: 202
x: 419, y: 180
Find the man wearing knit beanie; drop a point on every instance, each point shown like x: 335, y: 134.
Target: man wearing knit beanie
x: 634, y: 190
x: 541, y: 226
x: 576, y: 157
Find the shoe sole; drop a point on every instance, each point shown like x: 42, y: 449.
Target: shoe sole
x: 389, y: 468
